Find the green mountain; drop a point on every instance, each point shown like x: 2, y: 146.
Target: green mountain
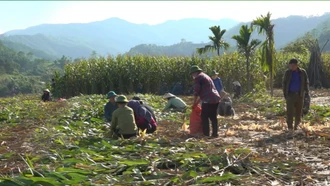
x: 286, y: 29
x: 114, y: 36
x: 283, y: 36
x: 111, y: 36
x: 23, y: 48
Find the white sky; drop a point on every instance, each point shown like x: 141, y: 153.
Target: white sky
x: 151, y: 12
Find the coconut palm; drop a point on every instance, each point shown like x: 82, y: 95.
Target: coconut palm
x: 217, y: 41
x: 265, y: 26
x: 246, y: 46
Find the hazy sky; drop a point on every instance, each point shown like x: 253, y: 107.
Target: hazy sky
x: 23, y: 14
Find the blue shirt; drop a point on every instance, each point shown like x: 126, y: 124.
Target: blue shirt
x: 218, y: 84
x: 295, y: 82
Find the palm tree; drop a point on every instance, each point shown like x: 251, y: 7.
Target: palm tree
x: 217, y: 41
x: 265, y: 26
x: 246, y: 46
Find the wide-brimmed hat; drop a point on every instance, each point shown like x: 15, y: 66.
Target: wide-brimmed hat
x: 214, y: 73
x: 111, y: 94
x: 121, y: 99
x: 195, y: 68
x: 169, y: 95
x: 46, y: 90
x: 236, y: 83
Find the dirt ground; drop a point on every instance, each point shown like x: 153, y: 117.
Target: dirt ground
x: 309, y: 145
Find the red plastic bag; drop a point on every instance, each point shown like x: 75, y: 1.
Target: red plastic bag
x: 195, y: 126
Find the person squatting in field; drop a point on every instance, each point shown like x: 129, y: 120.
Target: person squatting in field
x: 111, y: 106
x: 295, y: 87
x: 144, y: 104
x: 46, y: 96
x: 144, y: 119
x: 205, y: 91
x: 217, y: 81
x: 174, y: 103
x: 123, y: 122
x: 225, y: 106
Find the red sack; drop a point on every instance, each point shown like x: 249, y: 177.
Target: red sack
x: 196, y: 121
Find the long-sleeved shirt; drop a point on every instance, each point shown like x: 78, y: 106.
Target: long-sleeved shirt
x: 123, y: 121
x: 109, y: 108
x: 205, y: 89
x: 218, y: 84
x: 175, y: 102
x: 304, y: 82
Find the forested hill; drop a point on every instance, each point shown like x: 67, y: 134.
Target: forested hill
x: 114, y: 36
x: 23, y: 72
x: 111, y: 36
x: 321, y: 32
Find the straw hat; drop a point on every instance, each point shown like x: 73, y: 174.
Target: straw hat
x: 46, y: 90
x: 169, y: 95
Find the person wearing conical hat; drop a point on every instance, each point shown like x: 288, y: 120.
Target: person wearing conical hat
x: 175, y: 103
x: 123, y: 121
x: 111, y: 106
x: 217, y: 81
x: 46, y: 96
x: 205, y: 91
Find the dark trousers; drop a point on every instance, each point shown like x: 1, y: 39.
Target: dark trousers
x: 209, y: 111
x: 294, y: 106
x: 125, y: 136
x: 150, y: 128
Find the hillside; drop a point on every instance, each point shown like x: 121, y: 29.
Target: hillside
x: 283, y: 36
x: 286, y: 29
x: 111, y: 36
x: 21, y: 47
x: 114, y: 35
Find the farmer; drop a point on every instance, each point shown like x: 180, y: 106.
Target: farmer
x: 111, y: 106
x: 144, y: 119
x: 225, y: 106
x: 295, y: 86
x: 46, y: 96
x: 175, y: 103
x: 217, y: 81
x: 178, y: 89
x: 205, y: 91
x: 148, y: 107
x: 123, y: 122
x: 237, y: 89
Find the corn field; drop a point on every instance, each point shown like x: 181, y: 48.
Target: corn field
x: 124, y: 74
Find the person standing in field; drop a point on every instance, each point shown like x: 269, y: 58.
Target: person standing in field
x: 205, y: 91
x: 217, y: 81
x: 175, y: 103
x: 111, y: 106
x: 237, y: 88
x: 123, y: 121
x: 295, y: 86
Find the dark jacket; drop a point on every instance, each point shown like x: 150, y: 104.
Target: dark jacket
x: 304, y: 82
x: 46, y: 97
x: 109, y: 108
